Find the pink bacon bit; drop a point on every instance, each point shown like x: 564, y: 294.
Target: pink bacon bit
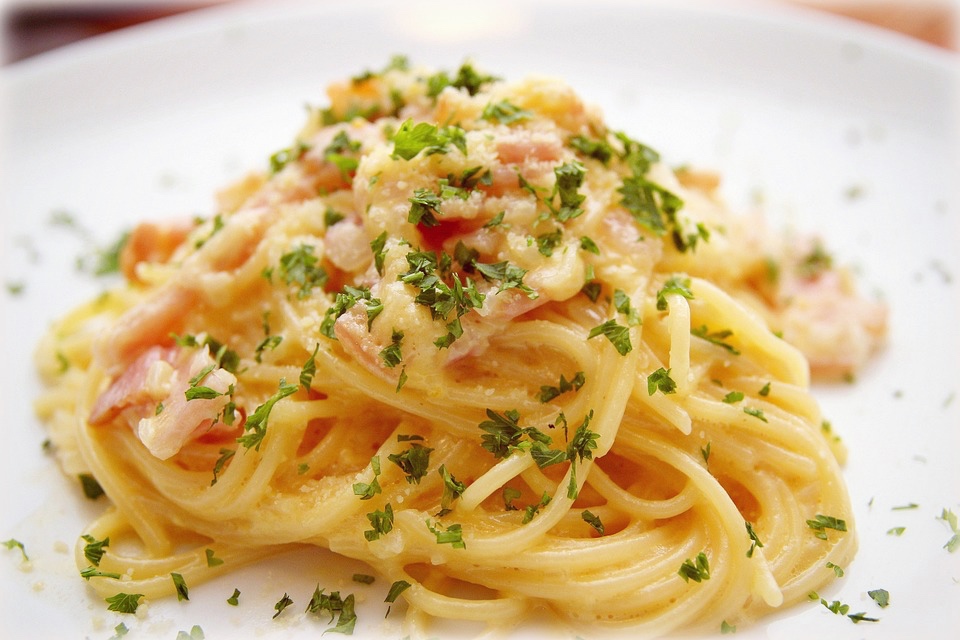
x: 151, y: 397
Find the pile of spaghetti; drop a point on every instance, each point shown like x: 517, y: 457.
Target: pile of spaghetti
x: 464, y: 332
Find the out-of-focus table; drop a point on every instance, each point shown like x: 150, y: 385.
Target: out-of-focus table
x: 34, y: 26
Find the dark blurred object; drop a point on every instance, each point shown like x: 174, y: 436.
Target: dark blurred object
x: 30, y: 28
x: 932, y: 21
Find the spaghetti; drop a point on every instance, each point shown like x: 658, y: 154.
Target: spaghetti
x: 464, y: 332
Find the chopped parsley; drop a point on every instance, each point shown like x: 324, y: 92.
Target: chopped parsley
x: 196, y: 633
x: 733, y: 397
x: 896, y: 531
x: 705, y: 453
x: 532, y: 510
x: 502, y: 432
x: 821, y: 523
x: 282, y: 604
x: 696, y: 570
x: 309, y: 369
x: 396, y: 589
x: 621, y: 301
x: 509, y: 495
x: 91, y: 488
x: 950, y: 518
x: 212, y: 560
x: 255, y: 427
x: 124, y: 602
x: 234, y: 600
x: 880, y: 596
x: 569, y: 178
x: 368, y: 490
x: 452, y: 489
x: 675, y: 285
x: 392, y: 354
x: 381, y: 523
x: 424, y: 208
x: 548, y: 393
x: 300, y: 267
x: 726, y: 627
x: 283, y: 157
x: 94, y: 549
x: 593, y: 521
x: 335, y: 605
x: 718, y: 338
x: 16, y: 544
x: 413, y: 462
x: 364, y: 578
x: 93, y: 572
x: 410, y: 139
x: 841, y: 609
x: 467, y: 78
x: 905, y: 507
x: 661, y: 381
x: 815, y: 262
x: 452, y: 534
x: 344, y: 301
x: 756, y: 413
x: 378, y: 246
x: 505, y: 112
x: 183, y: 593
x: 617, y: 334
x: 837, y: 570
x: 331, y: 217
x: 596, y: 149
x: 587, y: 244
x: 754, y: 540
x: 225, y: 455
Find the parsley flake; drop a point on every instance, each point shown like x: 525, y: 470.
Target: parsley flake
x: 124, y: 602
x: 94, y: 549
x: 452, y: 534
x: 618, y: 335
x: 821, y: 523
x: 300, y: 267
x: 93, y: 572
x: 396, y: 589
x: 548, y: 393
x: 675, y: 285
x: 91, y: 488
x: 196, y: 633
x: 16, y: 544
x: 719, y: 338
x: 413, y: 462
x: 183, y: 593
x: 660, y: 380
x: 754, y: 539
x: 880, y: 596
x: 410, y: 139
x: 255, y: 427
x: 505, y: 112
x: 697, y: 570
x: 593, y: 521
x: 381, y: 521
x: 282, y: 604
x: 212, y: 560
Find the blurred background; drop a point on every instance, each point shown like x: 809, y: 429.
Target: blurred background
x: 31, y: 27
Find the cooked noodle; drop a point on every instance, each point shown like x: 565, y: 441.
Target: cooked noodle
x: 392, y: 326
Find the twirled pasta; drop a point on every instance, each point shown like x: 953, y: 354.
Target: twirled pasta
x: 464, y: 332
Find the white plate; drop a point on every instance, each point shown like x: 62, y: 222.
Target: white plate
x: 841, y: 129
